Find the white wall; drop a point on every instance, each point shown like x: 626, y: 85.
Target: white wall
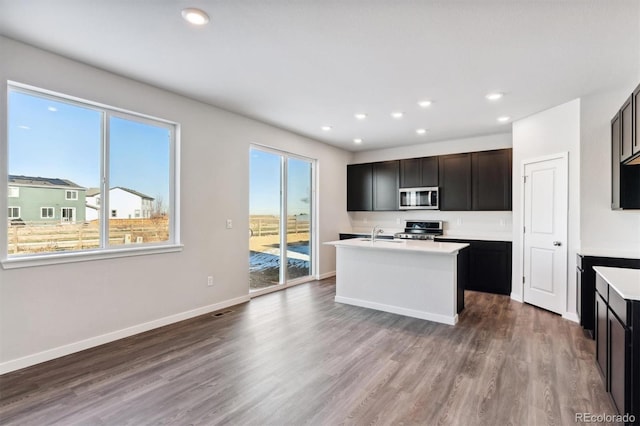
x: 603, y: 231
x: 549, y: 132
x: 48, y: 311
x: 456, y: 223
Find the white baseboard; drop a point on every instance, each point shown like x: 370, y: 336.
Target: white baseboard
x: 326, y: 275
x: 571, y: 316
x: 48, y: 355
x: 444, y: 319
x: 517, y: 297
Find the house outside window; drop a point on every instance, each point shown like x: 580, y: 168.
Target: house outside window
x: 141, y: 154
x: 47, y: 213
x: 14, y: 212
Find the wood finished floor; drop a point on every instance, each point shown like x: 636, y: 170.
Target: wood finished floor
x: 297, y: 357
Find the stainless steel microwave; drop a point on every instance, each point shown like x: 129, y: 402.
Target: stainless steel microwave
x: 419, y: 198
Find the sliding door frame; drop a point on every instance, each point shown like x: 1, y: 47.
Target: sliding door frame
x: 284, y: 281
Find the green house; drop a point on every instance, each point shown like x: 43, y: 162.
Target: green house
x: 38, y: 199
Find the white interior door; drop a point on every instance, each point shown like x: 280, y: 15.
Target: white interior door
x: 546, y: 196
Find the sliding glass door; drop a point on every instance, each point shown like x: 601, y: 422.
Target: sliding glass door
x: 280, y: 215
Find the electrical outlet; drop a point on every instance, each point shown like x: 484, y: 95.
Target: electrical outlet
x: 229, y: 223
x: 502, y: 223
x: 209, y: 281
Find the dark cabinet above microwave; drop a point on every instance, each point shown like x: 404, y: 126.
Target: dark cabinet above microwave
x: 469, y: 181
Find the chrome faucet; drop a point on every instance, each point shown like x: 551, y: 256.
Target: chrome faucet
x: 374, y: 232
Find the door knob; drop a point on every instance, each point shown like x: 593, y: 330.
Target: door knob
x: 557, y: 243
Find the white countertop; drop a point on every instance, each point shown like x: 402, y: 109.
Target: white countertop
x: 401, y: 245
x: 623, y: 280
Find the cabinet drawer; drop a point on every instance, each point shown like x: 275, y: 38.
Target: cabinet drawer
x: 618, y: 305
x: 602, y: 288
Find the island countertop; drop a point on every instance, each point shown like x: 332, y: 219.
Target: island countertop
x: 623, y: 280
x: 401, y: 245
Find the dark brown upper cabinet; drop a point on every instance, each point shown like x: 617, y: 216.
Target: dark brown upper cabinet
x: 360, y: 187
x: 626, y: 130
x: 373, y: 186
x: 455, y: 181
x: 386, y: 185
x: 491, y: 179
x: 419, y: 172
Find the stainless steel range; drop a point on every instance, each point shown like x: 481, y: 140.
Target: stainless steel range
x: 421, y: 230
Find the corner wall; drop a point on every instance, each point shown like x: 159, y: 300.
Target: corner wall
x: 549, y: 132
x: 50, y: 311
x: 603, y: 231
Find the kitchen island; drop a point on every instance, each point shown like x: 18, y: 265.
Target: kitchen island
x: 420, y: 279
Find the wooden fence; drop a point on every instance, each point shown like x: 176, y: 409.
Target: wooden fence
x: 270, y: 225
x: 41, y: 236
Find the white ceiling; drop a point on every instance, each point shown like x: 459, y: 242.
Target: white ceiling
x: 306, y: 63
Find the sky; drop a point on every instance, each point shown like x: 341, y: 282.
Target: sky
x: 55, y: 139
x: 265, y: 184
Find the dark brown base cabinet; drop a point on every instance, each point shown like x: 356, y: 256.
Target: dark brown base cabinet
x: 618, y: 347
x: 489, y: 265
x: 586, y: 282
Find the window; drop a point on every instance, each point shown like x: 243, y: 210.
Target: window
x: 14, y: 212
x: 137, y: 214
x: 47, y: 212
x: 56, y: 142
x: 68, y: 214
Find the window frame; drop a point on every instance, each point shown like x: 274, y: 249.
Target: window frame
x: 53, y: 212
x: 13, y: 189
x: 105, y: 251
x: 71, y: 195
x: 13, y: 217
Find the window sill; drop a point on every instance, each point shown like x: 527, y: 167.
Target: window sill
x: 28, y: 261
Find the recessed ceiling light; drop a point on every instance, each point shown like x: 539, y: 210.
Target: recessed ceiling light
x: 424, y: 104
x: 421, y: 131
x: 326, y: 128
x: 360, y: 116
x: 357, y: 141
x: 397, y: 115
x: 494, y: 96
x: 52, y: 109
x: 195, y: 16
x: 504, y: 119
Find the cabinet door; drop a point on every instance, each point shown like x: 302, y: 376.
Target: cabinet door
x: 626, y: 130
x: 490, y: 267
x: 386, y: 185
x: 359, y: 187
x: 619, y: 339
x: 615, y: 162
x: 601, y: 338
x: 491, y: 178
x: 410, y: 171
x: 455, y: 182
x: 429, y: 171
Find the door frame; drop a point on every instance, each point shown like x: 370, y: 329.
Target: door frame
x: 283, y: 219
x: 564, y: 156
